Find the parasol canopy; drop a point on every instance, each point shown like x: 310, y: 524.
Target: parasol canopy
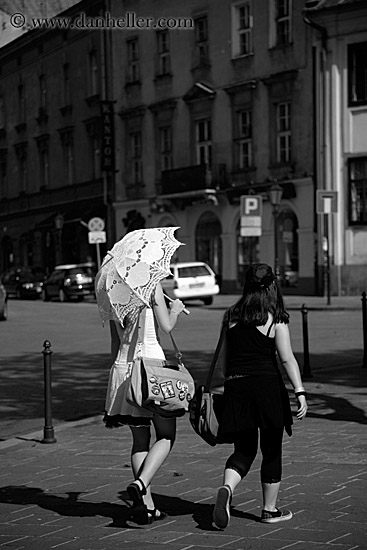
x: 131, y: 271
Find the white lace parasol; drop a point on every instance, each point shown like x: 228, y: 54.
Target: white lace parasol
x: 132, y: 269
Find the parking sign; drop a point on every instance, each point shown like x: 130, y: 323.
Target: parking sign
x: 251, y: 213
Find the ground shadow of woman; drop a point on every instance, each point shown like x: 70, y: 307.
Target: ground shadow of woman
x: 69, y: 504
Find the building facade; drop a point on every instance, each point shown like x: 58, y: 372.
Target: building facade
x: 340, y: 58
x: 51, y: 183
x: 216, y: 105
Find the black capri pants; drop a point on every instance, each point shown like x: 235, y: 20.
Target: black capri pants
x: 245, y: 451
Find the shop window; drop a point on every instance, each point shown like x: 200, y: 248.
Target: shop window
x: 357, y: 74
x: 358, y: 191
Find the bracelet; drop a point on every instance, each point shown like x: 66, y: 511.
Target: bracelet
x: 300, y: 388
x: 298, y: 393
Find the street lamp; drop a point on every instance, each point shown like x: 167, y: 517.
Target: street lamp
x: 275, y: 194
x: 59, y: 224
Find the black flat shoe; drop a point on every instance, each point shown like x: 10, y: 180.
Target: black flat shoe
x: 156, y: 515
x: 136, y: 490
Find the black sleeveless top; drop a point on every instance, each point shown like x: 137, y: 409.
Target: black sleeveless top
x: 250, y: 352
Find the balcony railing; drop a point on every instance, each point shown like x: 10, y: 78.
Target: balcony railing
x: 193, y: 179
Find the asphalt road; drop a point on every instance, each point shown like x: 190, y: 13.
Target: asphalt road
x: 80, y: 355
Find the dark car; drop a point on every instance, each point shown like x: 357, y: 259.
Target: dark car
x: 3, y: 303
x: 23, y: 282
x: 70, y: 281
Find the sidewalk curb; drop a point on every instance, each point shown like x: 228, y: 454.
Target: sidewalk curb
x: 39, y: 433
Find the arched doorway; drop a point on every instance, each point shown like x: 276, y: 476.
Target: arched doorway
x: 288, y: 248
x: 209, y: 242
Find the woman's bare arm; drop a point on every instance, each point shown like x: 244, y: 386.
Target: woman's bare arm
x: 289, y: 362
x: 167, y: 319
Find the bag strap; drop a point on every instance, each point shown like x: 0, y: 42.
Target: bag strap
x: 141, y: 329
x: 215, y: 357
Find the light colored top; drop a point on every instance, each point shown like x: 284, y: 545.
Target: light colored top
x: 149, y: 348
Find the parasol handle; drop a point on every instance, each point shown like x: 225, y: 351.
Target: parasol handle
x: 170, y: 300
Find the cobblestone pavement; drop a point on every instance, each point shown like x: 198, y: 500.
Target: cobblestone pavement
x: 71, y: 494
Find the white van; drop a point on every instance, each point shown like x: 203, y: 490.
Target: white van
x: 191, y: 281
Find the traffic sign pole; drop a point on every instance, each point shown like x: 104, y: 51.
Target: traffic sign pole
x: 97, y: 235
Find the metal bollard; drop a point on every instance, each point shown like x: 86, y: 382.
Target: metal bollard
x: 306, y: 355
x: 48, y: 431
x: 364, y: 321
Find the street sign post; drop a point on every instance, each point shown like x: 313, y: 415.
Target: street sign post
x: 96, y: 235
x: 251, y: 215
x: 326, y: 203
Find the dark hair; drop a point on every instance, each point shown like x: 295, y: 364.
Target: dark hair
x: 261, y: 296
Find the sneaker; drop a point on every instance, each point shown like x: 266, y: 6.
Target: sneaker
x: 274, y: 517
x: 221, y: 514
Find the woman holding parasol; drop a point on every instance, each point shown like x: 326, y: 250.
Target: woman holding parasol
x: 130, y: 297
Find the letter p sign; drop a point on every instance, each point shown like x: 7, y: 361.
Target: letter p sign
x: 251, y: 211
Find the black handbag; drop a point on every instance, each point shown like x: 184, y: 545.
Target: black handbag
x: 205, y: 408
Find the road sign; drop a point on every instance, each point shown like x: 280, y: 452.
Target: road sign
x: 326, y: 201
x: 251, y: 212
x: 97, y: 237
x: 96, y: 224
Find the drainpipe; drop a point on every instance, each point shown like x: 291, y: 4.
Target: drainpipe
x: 324, y: 145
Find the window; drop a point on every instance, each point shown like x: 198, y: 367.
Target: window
x: 42, y: 91
x: 164, y: 61
x: 44, y: 167
x: 283, y: 22
x: 68, y: 155
x: 203, y: 141
x: 133, y: 74
x: 245, y: 141
x: 165, y: 144
x: 93, y: 73
x: 21, y: 153
x: 357, y: 73
x: 21, y: 103
x: 358, y: 191
x: 202, y: 41
x: 93, y: 128
x: 242, y: 23
x: 3, y: 170
x: 283, y: 114
x: 66, y: 84
x: 135, y: 160
x: 2, y: 113
x: 96, y: 156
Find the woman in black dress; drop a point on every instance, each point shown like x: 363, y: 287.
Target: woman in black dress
x: 255, y: 398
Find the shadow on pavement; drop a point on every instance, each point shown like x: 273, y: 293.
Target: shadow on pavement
x: 79, y: 384
x: 69, y: 504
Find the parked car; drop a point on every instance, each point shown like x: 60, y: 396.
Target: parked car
x: 70, y: 281
x: 3, y: 303
x: 23, y: 282
x: 191, y: 281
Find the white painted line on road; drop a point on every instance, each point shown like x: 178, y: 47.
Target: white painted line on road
x: 177, y: 538
x: 21, y: 518
x: 338, y: 538
x: 203, y: 499
x: 335, y: 491
x: 56, y: 531
x: 340, y: 500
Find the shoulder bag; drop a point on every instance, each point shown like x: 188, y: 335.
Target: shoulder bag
x: 158, y: 385
x: 205, y: 408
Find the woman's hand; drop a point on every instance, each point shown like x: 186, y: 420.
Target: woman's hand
x: 177, y: 306
x: 302, y: 406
